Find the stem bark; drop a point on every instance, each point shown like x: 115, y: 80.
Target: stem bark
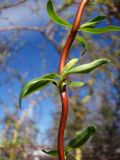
x: 63, y: 93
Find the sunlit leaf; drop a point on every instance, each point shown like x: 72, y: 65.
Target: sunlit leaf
x: 93, y: 22
x: 70, y: 65
x: 53, y: 153
x: 101, y: 30
x: 75, y: 84
x: 85, y: 27
x: 55, y: 17
x: 86, y: 68
x: 37, y: 84
x: 82, y: 42
x: 81, y: 138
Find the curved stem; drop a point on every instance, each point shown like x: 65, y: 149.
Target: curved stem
x: 63, y: 94
x: 72, y: 34
x: 64, y: 100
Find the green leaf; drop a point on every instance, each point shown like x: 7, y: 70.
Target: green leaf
x: 69, y: 65
x: 101, y: 30
x: 86, y: 68
x: 93, y: 22
x: 75, y: 84
x: 55, y: 17
x: 53, y: 153
x: 81, y: 138
x: 36, y: 84
x: 82, y: 42
x: 85, y: 27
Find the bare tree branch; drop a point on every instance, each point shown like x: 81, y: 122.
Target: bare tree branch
x: 13, y: 4
x: 21, y: 28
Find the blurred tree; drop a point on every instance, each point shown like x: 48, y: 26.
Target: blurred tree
x: 110, y: 113
x: 105, y: 91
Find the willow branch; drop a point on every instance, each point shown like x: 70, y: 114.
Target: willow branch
x: 63, y: 94
x: 72, y: 35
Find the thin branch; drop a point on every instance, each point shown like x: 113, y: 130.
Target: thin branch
x: 13, y: 4
x: 72, y: 35
x: 63, y: 93
x: 21, y: 28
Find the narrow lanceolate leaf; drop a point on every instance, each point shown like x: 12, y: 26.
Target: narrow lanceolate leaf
x: 83, y: 43
x: 53, y: 153
x: 36, y: 84
x: 101, y: 30
x: 55, y: 17
x: 86, y: 68
x: 93, y: 22
x: 70, y: 65
x: 85, y: 27
x: 81, y: 138
x: 75, y: 84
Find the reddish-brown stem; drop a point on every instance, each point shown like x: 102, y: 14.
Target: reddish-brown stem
x: 72, y: 34
x: 63, y: 94
x: 64, y: 100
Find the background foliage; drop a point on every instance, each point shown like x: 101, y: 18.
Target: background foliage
x: 28, y: 49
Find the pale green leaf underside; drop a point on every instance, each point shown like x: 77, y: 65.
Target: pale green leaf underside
x: 101, y: 30
x: 86, y: 68
x: 69, y: 65
x: 93, y: 22
x: 76, y: 84
x: 36, y: 84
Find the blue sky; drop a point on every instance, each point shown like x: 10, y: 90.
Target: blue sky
x: 34, y: 59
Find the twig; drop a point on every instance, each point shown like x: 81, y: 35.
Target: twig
x: 63, y: 94
x: 12, y: 4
